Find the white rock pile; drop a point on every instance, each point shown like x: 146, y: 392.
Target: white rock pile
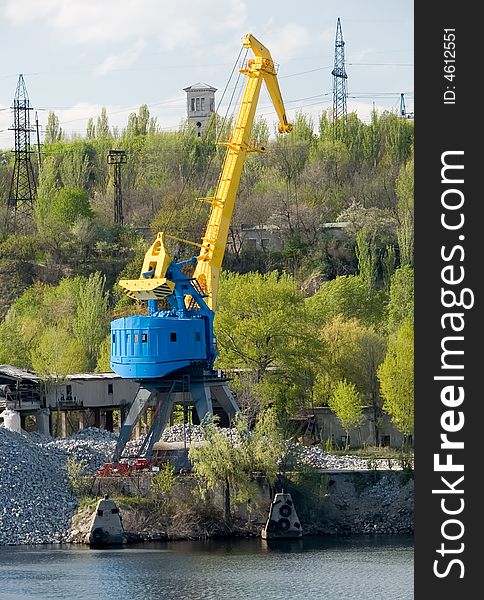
x: 297, y: 453
x: 36, y: 501
x: 91, y: 446
x: 319, y: 459
x: 193, y: 433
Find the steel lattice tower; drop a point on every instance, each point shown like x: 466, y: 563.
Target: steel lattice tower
x: 403, y: 109
x: 117, y: 158
x: 340, y: 80
x: 22, y: 187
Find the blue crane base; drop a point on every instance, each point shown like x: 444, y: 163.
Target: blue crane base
x: 152, y: 347
x: 202, y: 389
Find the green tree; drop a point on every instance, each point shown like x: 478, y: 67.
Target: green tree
x: 92, y: 318
x: 353, y: 352
x: 401, y: 303
x: 346, y: 404
x: 14, y: 349
x: 64, y: 207
x: 233, y: 463
x: 76, y: 471
x: 53, y: 131
x: 57, y: 353
x: 141, y: 123
x: 348, y: 296
x: 366, y: 253
x: 260, y: 319
x: 388, y: 265
x: 76, y: 169
x: 405, y: 194
x: 396, y: 375
x: 262, y: 327
x: 104, y: 356
x: 91, y: 129
x: 49, y: 181
x: 102, y: 125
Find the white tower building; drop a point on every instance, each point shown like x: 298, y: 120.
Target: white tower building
x: 200, y: 104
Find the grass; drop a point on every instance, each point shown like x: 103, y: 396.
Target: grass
x: 121, y: 501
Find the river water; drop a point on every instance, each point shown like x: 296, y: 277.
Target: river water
x: 356, y: 568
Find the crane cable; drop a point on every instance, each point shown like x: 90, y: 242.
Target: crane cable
x: 202, y: 189
x: 212, y: 123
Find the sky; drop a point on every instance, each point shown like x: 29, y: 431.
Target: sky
x: 78, y: 56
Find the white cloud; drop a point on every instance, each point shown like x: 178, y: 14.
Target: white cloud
x: 286, y: 42
x: 174, y: 24
x: 121, y: 61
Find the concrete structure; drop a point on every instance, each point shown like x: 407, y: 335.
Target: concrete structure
x: 90, y: 399
x: 82, y: 400
x: 283, y: 522
x: 11, y: 420
x: 336, y: 230
x: 321, y: 423
x: 21, y: 391
x: 200, y: 104
x: 106, y: 528
x: 270, y: 238
x: 259, y: 237
x: 99, y: 400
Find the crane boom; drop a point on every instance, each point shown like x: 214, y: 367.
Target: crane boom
x: 258, y: 69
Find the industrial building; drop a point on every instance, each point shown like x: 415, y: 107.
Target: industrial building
x: 103, y: 399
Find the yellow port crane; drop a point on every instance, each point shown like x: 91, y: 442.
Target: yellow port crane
x: 209, y: 261
x: 172, y: 352
x: 193, y: 298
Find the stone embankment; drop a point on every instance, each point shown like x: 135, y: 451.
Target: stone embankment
x: 37, y: 503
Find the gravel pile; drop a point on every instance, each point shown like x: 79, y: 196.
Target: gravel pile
x: 175, y: 433
x: 297, y: 453
x: 319, y: 459
x: 193, y: 433
x: 36, y: 501
x: 92, y: 446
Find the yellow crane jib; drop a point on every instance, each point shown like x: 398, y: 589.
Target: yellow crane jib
x: 259, y: 68
x: 152, y: 283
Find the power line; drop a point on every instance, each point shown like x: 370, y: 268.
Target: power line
x: 381, y: 64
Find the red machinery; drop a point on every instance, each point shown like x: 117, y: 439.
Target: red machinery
x: 124, y: 469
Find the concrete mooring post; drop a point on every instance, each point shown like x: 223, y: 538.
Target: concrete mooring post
x: 106, y: 526
x: 283, y: 522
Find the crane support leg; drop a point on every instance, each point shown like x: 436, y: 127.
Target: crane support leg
x: 201, y: 398
x: 225, y: 398
x: 139, y: 405
x: 162, y: 412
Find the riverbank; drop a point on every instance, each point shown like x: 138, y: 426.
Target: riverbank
x: 39, y: 505
x: 328, y: 503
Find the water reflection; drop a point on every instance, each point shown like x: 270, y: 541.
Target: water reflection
x: 296, y: 545
x: 344, y: 568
